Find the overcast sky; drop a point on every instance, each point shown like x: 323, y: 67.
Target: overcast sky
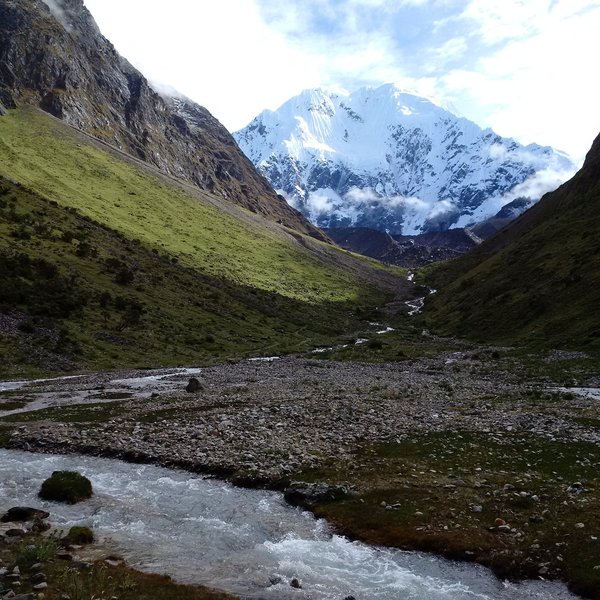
x: 526, y: 68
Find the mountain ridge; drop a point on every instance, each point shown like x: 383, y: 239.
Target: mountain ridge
x: 537, y: 281
x: 388, y: 160
x: 58, y: 60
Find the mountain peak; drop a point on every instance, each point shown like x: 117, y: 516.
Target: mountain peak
x: 53, y: 56
x: 388, y: 159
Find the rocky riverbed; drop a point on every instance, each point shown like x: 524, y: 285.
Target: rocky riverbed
x: 266, y: 419
x: 464, y: 453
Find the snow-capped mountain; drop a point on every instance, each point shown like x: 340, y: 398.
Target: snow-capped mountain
x: 389, y: 160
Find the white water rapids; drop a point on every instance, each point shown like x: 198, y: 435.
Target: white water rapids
x: 246, y: 541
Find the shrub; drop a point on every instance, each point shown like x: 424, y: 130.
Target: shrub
x: 79, y: 535
x: 66, y: 486
x: 124, y: 276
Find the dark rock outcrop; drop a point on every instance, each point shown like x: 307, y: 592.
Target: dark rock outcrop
x: 306, y: 495
x: 18, y: 514
x: 61, y: 63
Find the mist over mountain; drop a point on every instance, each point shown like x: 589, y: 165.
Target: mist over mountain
x: 385, y: 159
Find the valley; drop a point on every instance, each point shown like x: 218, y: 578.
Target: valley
x: 404, y: 404
x: 427, y: 452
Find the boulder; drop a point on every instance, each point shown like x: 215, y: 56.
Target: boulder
x: 18, y: 514
x: 66, y: 486
x: 304, y: 495
x: 193, y: 385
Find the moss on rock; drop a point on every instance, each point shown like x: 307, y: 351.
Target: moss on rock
x: 66, y: 486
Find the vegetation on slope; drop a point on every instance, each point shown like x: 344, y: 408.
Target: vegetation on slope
x: 537, y: 281
x: 105, y: 264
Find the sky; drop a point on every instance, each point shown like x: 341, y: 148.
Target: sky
x: 525, y: 68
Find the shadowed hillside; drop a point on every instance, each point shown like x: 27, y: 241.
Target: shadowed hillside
x: 538, y: 280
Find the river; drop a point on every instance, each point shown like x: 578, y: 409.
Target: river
x: 249, y: 542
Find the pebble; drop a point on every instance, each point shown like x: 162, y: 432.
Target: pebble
x: 258, y: 416
x: 579, y: 525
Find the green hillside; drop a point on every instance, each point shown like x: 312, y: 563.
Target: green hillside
x: 106, y: 263
x: 537, y: 282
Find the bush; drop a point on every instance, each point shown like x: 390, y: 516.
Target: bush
x: 66, y: 486
x: 78, y: 535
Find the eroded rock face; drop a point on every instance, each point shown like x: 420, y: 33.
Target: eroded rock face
x: 59, y: 61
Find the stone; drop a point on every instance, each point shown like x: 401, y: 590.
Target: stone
x: 23, y: 513
x: 193, y: 385
x: 38, y: 578
x: 476, y: 508
x: 579, y: 525
x: 40, y: 586
x: 15, y: 532
x: 305, y: 495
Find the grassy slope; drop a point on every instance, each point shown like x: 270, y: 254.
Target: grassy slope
x: 235, y: 288
x: 537, y: 281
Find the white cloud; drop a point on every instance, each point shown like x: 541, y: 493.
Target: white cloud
x: 220, y: 54
x: 57, y: 11
x: 536, y: 86
x: 518, y: 66
x: 540, y: 183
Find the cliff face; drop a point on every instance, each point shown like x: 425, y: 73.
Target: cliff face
x: 54, y: 56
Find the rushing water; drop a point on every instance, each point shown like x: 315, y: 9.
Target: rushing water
x: 246, y: 541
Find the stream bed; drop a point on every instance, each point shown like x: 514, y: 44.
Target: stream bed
x: 249, y: 542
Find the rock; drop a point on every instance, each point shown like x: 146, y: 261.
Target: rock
x: 36, y: 567
x: 579, y: 525
x: 64, y: 555
x: 307, y: 494
x: 112, y: 563
x: 193, y: 385
x: 504, y: 528
x: 295, y: 584
x: 476, y: 508
x: 18, y: 514
x: 15, y: 532
x: 40, y: 586
x: 38, y: 578
x: 66, y: 486
x: 498, y: 522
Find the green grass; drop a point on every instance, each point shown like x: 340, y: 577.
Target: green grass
x: 419, y: 494
x: 55, y: 161
x: 537, y: 282
x: 125, y: 268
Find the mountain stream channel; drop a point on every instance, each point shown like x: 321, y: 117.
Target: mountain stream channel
x: 249, y: 542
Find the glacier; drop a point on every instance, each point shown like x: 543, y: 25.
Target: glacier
x: 386, y: 159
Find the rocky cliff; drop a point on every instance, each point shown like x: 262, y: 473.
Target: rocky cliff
x: 53, y: 55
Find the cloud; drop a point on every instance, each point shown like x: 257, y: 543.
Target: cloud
x: 518, y: 66
x: 540, y: 183
x: 531, y: 79
x: 58, y: 12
